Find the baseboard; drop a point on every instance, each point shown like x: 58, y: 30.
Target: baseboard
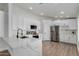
x: 61, y: 42
x: 68, y: 43
x: 46, y: 40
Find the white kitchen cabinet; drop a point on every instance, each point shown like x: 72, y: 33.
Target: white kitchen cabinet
x: 67, y: 36
x: 64, y: 37
x: 73, y: 38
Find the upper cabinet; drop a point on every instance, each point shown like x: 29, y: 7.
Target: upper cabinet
x: 69, y: 24
x: 73, y: 24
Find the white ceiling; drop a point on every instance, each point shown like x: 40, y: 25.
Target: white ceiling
x: 52, y: 9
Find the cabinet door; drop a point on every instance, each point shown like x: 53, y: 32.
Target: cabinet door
x: 73, y: 38
x: 63, y: 35
x: 67, y: 38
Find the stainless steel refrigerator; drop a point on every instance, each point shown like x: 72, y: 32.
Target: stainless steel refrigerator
x: 54, y: 30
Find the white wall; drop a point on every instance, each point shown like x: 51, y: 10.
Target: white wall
x: 66, y: 28
x: 46, y: 28
x: 2, y: 24
x: 4, y: 8
x: 78, y: 33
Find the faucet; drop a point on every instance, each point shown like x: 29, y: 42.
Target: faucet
x: 19, y: 29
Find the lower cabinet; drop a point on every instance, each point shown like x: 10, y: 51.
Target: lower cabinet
x: 68, y: 37
x: 73, y: 39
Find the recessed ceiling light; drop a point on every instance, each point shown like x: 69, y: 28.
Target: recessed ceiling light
x: 30, y: 8
x: 61, y: 12
x: 41, y: 13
